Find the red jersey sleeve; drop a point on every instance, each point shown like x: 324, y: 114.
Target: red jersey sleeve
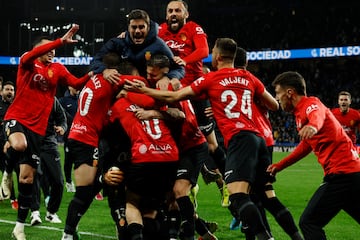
x: 201, y: 50
x: 36, y: 52
x: 316, y: 115
x: 141, y: 100
x: 302, y: 150
x: 68, y: 79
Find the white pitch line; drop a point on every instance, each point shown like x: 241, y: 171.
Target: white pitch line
x: 60, y: 229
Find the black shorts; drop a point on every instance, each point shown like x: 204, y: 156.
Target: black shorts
x: 191, y: 162
x: 151, y: 182
x: 82, y: 153
x: 34, y: 141
x: 247, y: 159
x: 206, y: 124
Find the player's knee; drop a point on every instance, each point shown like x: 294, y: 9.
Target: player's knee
x: 85, y: 195
x: 18, y: 143
x: 238, y: 202
x: 269, y: 191
x: 212, y: 147
x: 26, y: 178
x: 181, y: 188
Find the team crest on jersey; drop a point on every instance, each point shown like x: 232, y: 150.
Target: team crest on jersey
x: 143, y: 149
x: 50, y: 73
x: 183, y: 37
x: 147, y: 55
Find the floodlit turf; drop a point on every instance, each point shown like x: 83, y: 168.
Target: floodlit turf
x: 294, y: 187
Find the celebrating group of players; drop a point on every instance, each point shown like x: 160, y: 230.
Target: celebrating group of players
x: 136, y: 132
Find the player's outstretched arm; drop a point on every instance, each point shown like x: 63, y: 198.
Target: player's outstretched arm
x: 166, y: 96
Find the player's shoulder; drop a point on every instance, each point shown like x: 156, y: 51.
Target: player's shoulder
x: 354, y: 112
x: 193, y: 29
x: 192, y: 24
x: 335, y: 110
x: 312, y: 103
x: 162, y: 30
x: 163, y: 26
x: 56, y: 66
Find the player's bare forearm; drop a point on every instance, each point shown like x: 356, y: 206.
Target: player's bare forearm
x: 175, y: 113
x: 139, y: 86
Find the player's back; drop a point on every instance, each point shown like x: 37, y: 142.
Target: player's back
x: 231, y: 93
x: 94, y: 103
x: 151, y: 140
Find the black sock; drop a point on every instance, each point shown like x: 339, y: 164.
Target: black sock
x: 151, y: 228
x: 78, y: 206
x: 187, y: 216
x: 173, y: 223
x: 243, y: 208
x: 282, y: 215
x: 12, y: 158
x: 25, y: 200
x: 135, y: 231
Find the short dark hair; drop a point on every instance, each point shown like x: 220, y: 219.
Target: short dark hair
x: 345, y: 93
x: 127, y: 68
x: 138, y: 14
x: 158, y: 60
x: 291, y: 79
x: 111, y: 60
x: 38, y: 40
x: 183, y: 2
x: 114, y: 61
x: 240, y: 58
x: 9, y: 83
x: 227, y: 47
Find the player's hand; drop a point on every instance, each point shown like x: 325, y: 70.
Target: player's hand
x: 67, y: 38
x: 307, y: 132
x: 163, y: 83
x: 134, y: 86
x: 143, y: 114
x: 175, y: 83
x: 122, y: 94
x: 272, y: 169
x: 208, y: 112
x: 112, y: 76
x: 59, y: 130
x: 6, y: 146
x: 122, y: 35
x: 113, y: 177
x: 179, y: 61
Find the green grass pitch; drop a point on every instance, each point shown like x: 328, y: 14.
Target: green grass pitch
x: 294, y: 187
